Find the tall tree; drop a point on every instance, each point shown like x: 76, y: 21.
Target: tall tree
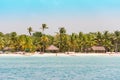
x: 62, y: 32
x: 44, y: 41
x: 30, y: 30
x: 80, y: 41
x: 99, y: 39
x: 13, y: 40
x: 1, y: 34
x: 25, y: 43
x: 37, y: 40
x: 1, y: 43
x: 37, y: 34
x: 117, y: 40
x: 73, y: 41
x: 107, y: 43
x: 44, y: 26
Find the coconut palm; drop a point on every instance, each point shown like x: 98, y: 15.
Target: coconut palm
x: 37, y: 40
x: 1, y: 34
x: 62, y: 32
x: 44, y: 26
x: 107, y: 43
x: 117, y: 40
x: 80, y: 41
x: 44, y: 41
x: 25, y: 43
x: 99, y: 38
x: 13, y: 41
x: 37, y: 34
x: 30, y: 30
x: 1, y: 43
x: 7, y: 40
x: 73, y: 41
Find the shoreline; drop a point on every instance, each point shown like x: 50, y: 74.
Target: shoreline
x: 59, y: 54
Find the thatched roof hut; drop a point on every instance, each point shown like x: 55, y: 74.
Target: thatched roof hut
x: 7, y: 49
x: 98, y: 49
x: 52, y: 48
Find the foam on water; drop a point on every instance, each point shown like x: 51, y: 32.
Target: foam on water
x: 60, y: 68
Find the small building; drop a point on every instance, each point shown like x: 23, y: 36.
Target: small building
x: 7, y: 49
x: 52, y: 48
x: 98, y: 49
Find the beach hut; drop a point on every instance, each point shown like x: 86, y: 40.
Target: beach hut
x: 52, y: 48
x: 7, y: 49
x: 98, y: 49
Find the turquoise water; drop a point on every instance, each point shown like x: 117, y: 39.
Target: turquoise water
x: 60, y: 68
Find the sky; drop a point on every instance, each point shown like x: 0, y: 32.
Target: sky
x: 74, y: 15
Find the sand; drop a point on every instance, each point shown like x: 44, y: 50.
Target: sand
x: 60, y: 54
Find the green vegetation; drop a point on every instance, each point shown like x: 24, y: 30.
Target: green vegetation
x: 78, y: 42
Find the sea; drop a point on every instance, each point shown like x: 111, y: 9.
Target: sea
x: 60, y: 68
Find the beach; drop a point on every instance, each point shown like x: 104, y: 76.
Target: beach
x: 60, y: 54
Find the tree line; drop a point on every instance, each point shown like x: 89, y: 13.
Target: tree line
x: 77, y: 42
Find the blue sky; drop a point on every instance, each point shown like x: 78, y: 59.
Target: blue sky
x: 74, y: 15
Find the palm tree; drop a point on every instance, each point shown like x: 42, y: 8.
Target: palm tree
x: 107, y: 43
x: 37, y: 34
x: 7, y: 40
x: 44, y: 40
x: 73, y: 41
x: 30, y: 30
x: 117, y: 40
x: 44, y: 26
x: 99, y: 39
x: 1, y: 34
x: 80, y: 41
x: 1, y: 43
x: 37, y: 40
x: 13, y: 40
x: 25, y: 43
x: 62, y: 32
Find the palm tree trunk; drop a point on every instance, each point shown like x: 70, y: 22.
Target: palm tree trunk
x: 116, y: 48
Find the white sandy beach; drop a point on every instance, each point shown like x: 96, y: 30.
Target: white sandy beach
x: 60, y: 54
x: 78, y: 54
